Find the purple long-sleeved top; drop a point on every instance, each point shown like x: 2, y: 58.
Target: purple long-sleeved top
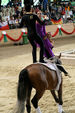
x: 42, y: 32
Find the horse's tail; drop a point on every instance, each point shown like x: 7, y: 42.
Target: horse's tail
x: 22, y: 90
x: 23, y: 85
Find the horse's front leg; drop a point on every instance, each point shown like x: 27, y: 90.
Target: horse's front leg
x: 60, y: 109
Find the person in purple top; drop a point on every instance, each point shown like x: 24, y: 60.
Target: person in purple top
x: 42, y: 32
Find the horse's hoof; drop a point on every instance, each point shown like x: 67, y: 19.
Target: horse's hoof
x: 63, y: 112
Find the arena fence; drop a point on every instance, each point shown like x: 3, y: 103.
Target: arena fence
x: 24, y: 35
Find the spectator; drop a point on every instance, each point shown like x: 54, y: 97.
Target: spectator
x: 0, y: 13
x: 19, y: 8
x: 16, y: 22
x: 22, y: 12
x: 0, y: 19
x: 11, y: 22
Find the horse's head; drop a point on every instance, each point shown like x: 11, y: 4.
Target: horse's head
x: 55, y: 59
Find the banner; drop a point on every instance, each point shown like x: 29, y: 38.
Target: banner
x: 56, y: 21
x: 4, y: 26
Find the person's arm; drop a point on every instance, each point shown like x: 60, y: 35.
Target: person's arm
x: 39, y: 21
x: 45, y: 37
x: 52, y: 42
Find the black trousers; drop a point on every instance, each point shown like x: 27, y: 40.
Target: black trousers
x: 35, y: 38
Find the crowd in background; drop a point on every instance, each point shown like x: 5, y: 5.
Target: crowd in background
x: 12, y: 13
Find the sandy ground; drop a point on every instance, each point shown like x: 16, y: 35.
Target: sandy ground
x: 14, y: 58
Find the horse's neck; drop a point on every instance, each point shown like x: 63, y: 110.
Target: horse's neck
x: 51, y: 60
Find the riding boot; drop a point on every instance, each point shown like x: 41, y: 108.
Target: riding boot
x: 41, y: 57
x: 34, y: 55
x: 42, y: 61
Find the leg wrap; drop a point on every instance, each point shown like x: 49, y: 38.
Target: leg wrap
x: 38, y: 110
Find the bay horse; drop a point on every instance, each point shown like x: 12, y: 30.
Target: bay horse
x: 41, y: 78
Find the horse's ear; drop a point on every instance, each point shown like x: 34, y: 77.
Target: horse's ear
x: 59, y: 55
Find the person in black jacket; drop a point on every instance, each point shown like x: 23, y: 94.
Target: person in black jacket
x: 29, y: 19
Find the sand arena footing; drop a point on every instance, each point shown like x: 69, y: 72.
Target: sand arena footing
x: 68, y: 57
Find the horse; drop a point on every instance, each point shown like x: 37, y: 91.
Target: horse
x: 41, y: 78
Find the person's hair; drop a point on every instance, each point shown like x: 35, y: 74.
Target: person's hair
x: 26, y: 2
x: 27, y: 7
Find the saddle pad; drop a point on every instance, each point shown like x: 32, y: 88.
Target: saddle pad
x: 50, y: 65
